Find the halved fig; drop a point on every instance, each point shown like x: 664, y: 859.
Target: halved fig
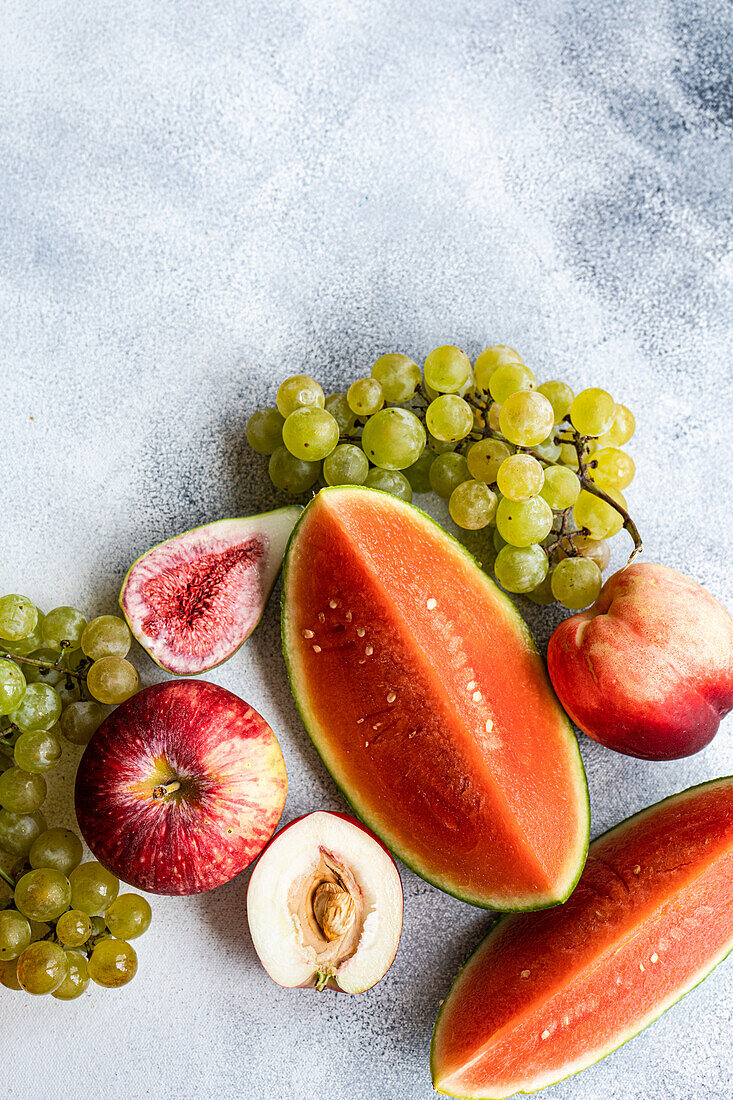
x: 325, y: 905
x: 192, y: 601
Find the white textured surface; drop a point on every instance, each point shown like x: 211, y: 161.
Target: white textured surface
x: 201, y: 196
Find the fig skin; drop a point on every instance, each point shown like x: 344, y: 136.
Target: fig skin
x: 648, y: 669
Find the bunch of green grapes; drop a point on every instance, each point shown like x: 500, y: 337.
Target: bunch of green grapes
x: 540, y: 464
x: 66, y: 924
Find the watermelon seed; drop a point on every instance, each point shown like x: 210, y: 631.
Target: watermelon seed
x: 307, y: 633
x: 432, y: 604
x: 489, y: 725
x: 333, y: 604
x: 369, y: 650
x: 470, y: 685
x: 360, y: 631
x: 641, y: 967
x: 545, y: 1034
x: 391, y: 697
x: 637, y: 869
x: 476, y: 696
x: 349, y: 616
x: 316, y: 649
x: 376, y: 725
x: 655, y: 958
x: 524, y: 974
x: 321, y: 617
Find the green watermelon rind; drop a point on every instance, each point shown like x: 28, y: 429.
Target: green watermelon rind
x: 480, y: 902
x: 594, y: 1058
x: 132, y: 626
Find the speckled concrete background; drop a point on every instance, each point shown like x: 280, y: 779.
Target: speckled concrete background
x: 201, y: 196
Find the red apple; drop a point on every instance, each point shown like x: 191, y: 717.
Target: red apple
x: 324, y: 905
x: 648, y: 669
x: 180, y: 788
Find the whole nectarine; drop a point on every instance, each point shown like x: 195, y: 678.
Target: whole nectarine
x: 648, y: 669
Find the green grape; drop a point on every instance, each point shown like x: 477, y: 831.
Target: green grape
x: 561, y: 488
x: 597, y: 551
x: 485, y: 457
x: 9, y: 974
x: 419, y: 473
x: 99, y: 927
x: 520, y: 477
x: 42, y: 967
x: 338, y: 406
x: 112, y: 680
x: 112, y: 963
x: 39, y: 708
x: 560, y: 397
x: 472, y: 505
x: 310, y: 434
x: 93, y: 888
x: 264, y: 432
x: 497, y: 540
x: 25, y: 646
x: 365, y: 397
x: 57, y: 848
x: 592, y: 411
x: 521, y: 568
x: 611, y: 468
x: 12, y: 686
x: 440, y: 446
x: 39, y: 930
x: 19, y: 831
x: 69, y: 691
x: 447, y: 368
x: 542, y: 594
x: 346, y: 465
x: 44, y: 673
x: 621, y: 430
x: 576, y: 583
x: 73, y: 928
x: 36, y: 751
x: 511, y: 378
x: 106, y: 636
x: 523, y: 522
x: 398, y: 376
x: 77, y: 977
x: 63, y: 628
x: 393, y: 439
x: 43, y: 894
x: 128, y: 916
x: 490, y: 359
x: 526, y: 418
x: 389, y: 481
x: 599, y: 518
x: 449, y: 418
x: 447, y: 472
x: 292, y: 474
x: 15, y: 934
x: 297, y: 392
x: 548, y: 449
x: 493, y: 415
x: 569, y: 455
x: 21, y: 792
x: 18, y: 617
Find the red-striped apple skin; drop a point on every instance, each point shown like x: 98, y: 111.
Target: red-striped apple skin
x: 648, y: 670
x: 233, y: 786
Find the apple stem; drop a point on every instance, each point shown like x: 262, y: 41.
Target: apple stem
x: 164, y: 789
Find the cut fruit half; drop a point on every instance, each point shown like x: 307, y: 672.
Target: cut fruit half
x: 325, y: 905
x: 192, y: 601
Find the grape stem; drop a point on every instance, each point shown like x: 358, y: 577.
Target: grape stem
x: 6, y: 878
x: 44, y: 664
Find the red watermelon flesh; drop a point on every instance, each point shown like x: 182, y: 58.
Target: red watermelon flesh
x: 425, y: 696
x: 545, y: 996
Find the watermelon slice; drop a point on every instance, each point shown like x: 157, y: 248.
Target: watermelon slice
x: 423, y: 692
x: 545, y: 996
